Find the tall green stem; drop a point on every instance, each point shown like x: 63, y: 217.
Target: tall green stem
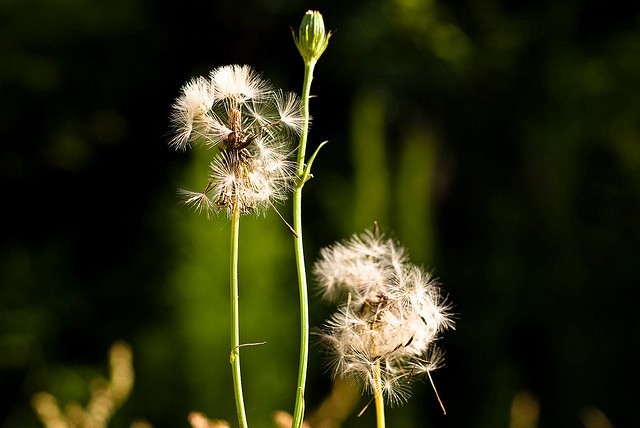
x: 235, y: 320
x: 378, y: 396
x: 298, y: 413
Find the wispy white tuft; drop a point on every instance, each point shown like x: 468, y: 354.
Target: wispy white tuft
x: 189, y: 110
x: 392, y: 314
x: 199, y: 201
x: 288, y: 105
x: 357, y: 265
x: 238, y: 82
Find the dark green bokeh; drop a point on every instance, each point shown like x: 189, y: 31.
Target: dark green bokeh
x: 499, y: 141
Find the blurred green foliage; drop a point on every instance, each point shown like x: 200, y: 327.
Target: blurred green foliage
x: 499, y: 141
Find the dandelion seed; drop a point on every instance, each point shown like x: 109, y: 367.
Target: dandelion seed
x: 250, y: 126
x: 288, y: 106
x: 384, y: 335
x: 199, y: 201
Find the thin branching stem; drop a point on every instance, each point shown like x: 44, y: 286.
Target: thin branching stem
x: 235, y: 321
x: 298, y: 413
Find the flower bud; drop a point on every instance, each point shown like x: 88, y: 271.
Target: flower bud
x: 312, y: 38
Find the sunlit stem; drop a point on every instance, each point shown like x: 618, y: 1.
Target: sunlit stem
x: 298, y: 413
x: 235, y: 321
x: 378, y: 395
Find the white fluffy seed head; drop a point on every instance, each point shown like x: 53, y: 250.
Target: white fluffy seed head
x: 393, y: 314
x: 250, y: 126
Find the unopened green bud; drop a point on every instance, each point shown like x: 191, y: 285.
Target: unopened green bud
x: 312, y: 38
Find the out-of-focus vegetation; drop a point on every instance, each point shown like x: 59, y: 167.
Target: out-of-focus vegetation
x: 499, y: 140
x: 106, y: 396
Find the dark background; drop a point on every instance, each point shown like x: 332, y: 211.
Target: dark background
x: 499, y: 141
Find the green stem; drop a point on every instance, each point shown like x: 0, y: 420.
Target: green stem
x: 235, y: 320
x: 378, y: 396
x: 298, y: 413
x: 306, y: 92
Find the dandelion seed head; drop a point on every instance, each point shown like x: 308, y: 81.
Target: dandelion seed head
x: 393, y: 315
x: 236, y: 113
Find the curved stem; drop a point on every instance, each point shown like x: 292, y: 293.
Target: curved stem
x: 235, y: 320
x: 298, y: 413
x: 378, y: 396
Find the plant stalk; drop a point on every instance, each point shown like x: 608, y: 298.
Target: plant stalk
x: 378, y: 396
x: 235, y: 320
x: 298, y: 413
